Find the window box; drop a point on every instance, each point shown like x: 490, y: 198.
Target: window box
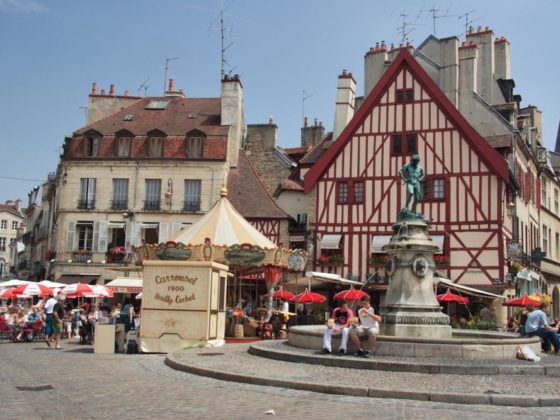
x: 441, y: 261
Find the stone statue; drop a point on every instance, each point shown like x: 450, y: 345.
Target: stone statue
x: 412, y: 174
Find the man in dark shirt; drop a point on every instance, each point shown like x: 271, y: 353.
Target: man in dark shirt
x: 58, y: 316
x: 338, y: 325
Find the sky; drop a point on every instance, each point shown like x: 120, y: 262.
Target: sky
x: 283, y: 50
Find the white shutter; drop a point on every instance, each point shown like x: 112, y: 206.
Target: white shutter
x: 102, y: 238
x: 70, y: 236
x: 136, y: 238
x: 91, y: 191
x: 163, y: 232
x: 176, y: 228
x: 95, y: 236
x: 128, y: 236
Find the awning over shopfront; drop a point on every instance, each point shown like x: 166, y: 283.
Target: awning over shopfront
x: 126, y: 285
x: 331, y: 241
x: 465, y: 289
x: 330, y: 278
x: 379, y: 241
x: 78, y: 278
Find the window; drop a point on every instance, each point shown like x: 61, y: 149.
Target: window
x: 400, y: 96
x: 544, y: 238
x: 155, y: 147
x: 87, y: 193
x: 358, y: 192
x: 405, y: 96
x: 120, y: 194
x: 399, y: 147
x: 4, y: 224
x: 342, y: 192
x: 14, y: 225
x: 557, y: 245
x: 85, y: 236
x: 192, y: 195
x: 195, y: 144
x: 439, y: 189
x: 2, y: 244
x: 91, y: 146
x: 543, y: 194
x: 409, y: 95
x: 556, y: 201
x: 153, y: 194
x: 117, y: 237
x: 124, y: 144
x: 433, y: 189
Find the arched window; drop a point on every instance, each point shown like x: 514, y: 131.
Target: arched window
x: 195, y: 144
x: 123, y: 144
x: 91, y: 142
x: 155, y: 144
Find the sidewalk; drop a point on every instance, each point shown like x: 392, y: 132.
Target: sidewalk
x: 234, y: 363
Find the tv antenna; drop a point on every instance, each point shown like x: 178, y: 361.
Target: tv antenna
x: 304, y: 97
x: 144, y: 86
x: 85, y: 111
x: 468, y: 21
x: 435, y: 16
x: 167, y: 60
x: 406, y: 28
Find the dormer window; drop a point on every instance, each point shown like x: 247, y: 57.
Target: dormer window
x: 195, y: 144
x: 91, y: 144
x: 124, y: 144
x: 155, y: 144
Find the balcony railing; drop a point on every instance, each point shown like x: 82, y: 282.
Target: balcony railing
x: 86, y: 204
x: 119, y: 204
x: 152, y: 204
x: 81, y: 256
x: 191, y: 206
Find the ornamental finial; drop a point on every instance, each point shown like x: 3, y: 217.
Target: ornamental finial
x: 223, y: 191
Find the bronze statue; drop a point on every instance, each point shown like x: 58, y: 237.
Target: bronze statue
x: 412, y: 174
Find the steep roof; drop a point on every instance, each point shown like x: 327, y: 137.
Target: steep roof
x: 495, y: 162
x: 179, y: 116
x: 248, y: 194
x: 317, y: 151
x: 11, y: 209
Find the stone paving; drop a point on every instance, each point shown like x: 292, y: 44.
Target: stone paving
x: 93, y: 386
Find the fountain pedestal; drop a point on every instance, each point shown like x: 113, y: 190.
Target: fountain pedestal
x: 411, y: 308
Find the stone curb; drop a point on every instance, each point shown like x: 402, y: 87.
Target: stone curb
x: 494, y: 399
x: 396, y: 366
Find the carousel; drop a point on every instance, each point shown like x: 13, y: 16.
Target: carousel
x: 186, y: 292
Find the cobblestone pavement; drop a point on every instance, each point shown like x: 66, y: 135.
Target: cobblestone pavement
x: 87, y: 386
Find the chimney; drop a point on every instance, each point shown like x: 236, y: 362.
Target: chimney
x: 18, y: 205
x: 262, y: 137
x: 170, y: 85
x: 112, y: 90
x: 172, y: 92
x: 502, y: 58
x: 345, y: 98
x: 9, y: 203
x: 94, y: 88
x: 232, y: 115
x: 449, y: 68
x: 126, y: 93
x: 102, y: 92
x: 468, y: 68
x: 310, y: 136
x: 484, y: 39
x: 374, y: 63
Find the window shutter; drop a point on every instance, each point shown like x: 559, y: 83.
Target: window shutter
x: 163, y: 232
x: 102, y: 238
x: 176, y: 228
x: 70, y: 236
x: 95, y: 237
x: 83, y: 189
x: 128, y: 236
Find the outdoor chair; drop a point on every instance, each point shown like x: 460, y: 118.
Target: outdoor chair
x: 33, y: 333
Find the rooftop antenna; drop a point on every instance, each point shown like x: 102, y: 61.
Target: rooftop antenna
x: 435, y: 16
x: 468, y: 21
x: 85, y: 111
x: 167, y: 60
x: 405, y: 29
x: 144, y: 86
x: 304, y: 97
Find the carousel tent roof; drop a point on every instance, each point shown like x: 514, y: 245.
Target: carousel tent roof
x: 224, y: 226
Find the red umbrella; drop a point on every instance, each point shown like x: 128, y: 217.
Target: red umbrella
x: 451, y: 297
x: 78, y: 289
x: 350, y: 295
x: 522, y: 301
x: 280, y: 294
x: 32, y: 289
x: 308, y: 297
x: 8, y: 294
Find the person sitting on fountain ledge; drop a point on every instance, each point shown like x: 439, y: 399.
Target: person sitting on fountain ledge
x: 369, y: 324
x: 338, y: 324
x: 537, y: 324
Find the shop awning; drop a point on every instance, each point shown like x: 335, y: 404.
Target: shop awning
x: 330, y: 241
x: 331, y: 278
x: 465, y: 289
x: 126, y: 285
x: 116, y: 225
x: 77, y: 278
x: 378, y: 242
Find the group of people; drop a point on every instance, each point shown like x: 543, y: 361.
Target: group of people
x: 534, y: 322
x: 19, y: 321
x: 350, y: 327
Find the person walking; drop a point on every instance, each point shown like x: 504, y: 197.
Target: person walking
x: 58, y: 317
x: 49, y: 321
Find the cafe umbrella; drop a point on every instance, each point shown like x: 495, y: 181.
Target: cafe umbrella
x: 350, y: 295
x: 307, y: 297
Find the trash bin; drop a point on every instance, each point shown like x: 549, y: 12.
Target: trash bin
x: 104, y: 341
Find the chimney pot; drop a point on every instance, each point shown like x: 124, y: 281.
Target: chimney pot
x: 471, y: 29
x: 126, y: 93
x: 320, y: 123
x: 315, y: 122
x: 102, y: 92
x: 170, y: 85
x: 94, y: 88
x: 400, y: 45
x: 479, y: 29
x: 487, y: 28
x: 305, y: 122
x: 111, y: 90
x: 271, y: 120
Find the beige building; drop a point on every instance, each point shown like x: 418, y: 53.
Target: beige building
x: 11, y: 218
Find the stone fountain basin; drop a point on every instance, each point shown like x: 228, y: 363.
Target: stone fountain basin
x: 464, y: 344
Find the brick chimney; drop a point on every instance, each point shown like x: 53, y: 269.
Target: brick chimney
x: 345, y: 99
x: 232, y: 115
x: 100, y: 105
x: 311, y: 135
x: 172, y: 92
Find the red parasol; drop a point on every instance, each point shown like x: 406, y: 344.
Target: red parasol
x: 350, y: 295
x: 280, y: 294
x: 308, y: 297
x: 8, y: 294
x: 32, y: 289
x: 522, y: 301
x: 451, y: 297
x: 78, y: 289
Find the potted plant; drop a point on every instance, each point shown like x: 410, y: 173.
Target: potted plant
x: 323, y: 260
x: 335, y: 260
x: 378, y: 260
x: 441, y: 261
x: 117, y: 253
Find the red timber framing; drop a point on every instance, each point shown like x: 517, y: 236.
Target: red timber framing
x: 471, y: 177
x: 268, y: 227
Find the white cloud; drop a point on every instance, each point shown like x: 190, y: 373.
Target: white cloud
x: 22, y: 6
